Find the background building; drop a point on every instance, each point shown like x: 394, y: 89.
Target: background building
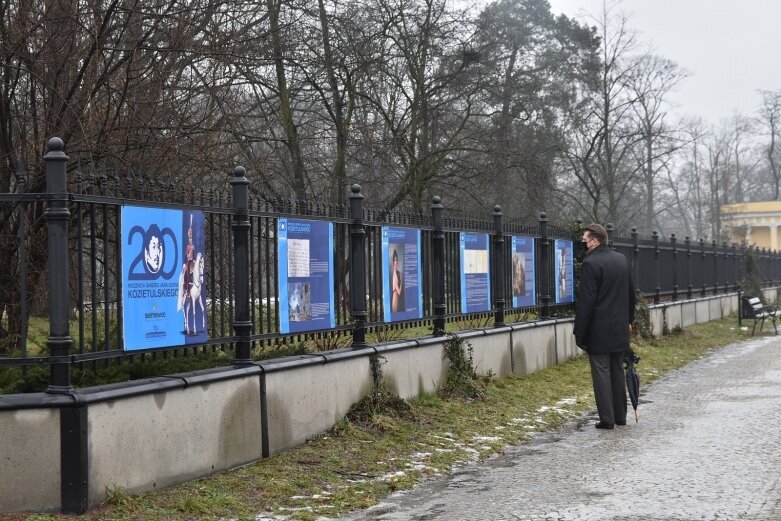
x: 753, y: 223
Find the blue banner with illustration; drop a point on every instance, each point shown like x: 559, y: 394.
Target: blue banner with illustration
x: 306, y: 275
x: 564, y: 268
x: 401, y: 287
x: 475, y: 277
x: 523, y: 281
x: 163, y: 278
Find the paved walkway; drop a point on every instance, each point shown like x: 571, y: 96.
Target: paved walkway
x: 708, y: 446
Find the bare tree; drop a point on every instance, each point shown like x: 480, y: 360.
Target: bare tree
x: 603, y: 133
x: 651, y: 81
x: 770, y: 117
x: 420, y: 97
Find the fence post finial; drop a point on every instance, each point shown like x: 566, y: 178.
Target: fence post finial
x: 674, y: 242
x: 357, y: 267
x: 688, y: 242
x: 57, y: 217
x: 542, y: 221
x: 635, y: 258
x: 658, y: 289
x: 499, y: 267
x: 242, y: 326
x: 438, y: 265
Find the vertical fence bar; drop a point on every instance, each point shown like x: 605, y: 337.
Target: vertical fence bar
x: 498, y: 263
x: 21, y: 174
x: 702, y: 265
x: 674, y: 242
x: 610, y: 230
x: 655, y: 238
x: 357, y: 267
x: 241, y: 287
x: 57, y: 216
x: 688, y: 242
x: 715, y: 266
x: 635, y: 259
x: 545, y: 274
x: 438, y: 265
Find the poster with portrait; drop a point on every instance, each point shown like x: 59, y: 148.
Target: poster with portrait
x: 401, y: 289
x: 522, y: 263
x: 306, y: 275
x: 163, y: 277
x: 475, y: 278
x: 564, y: 270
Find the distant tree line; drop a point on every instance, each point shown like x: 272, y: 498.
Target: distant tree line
x: 506, y: 104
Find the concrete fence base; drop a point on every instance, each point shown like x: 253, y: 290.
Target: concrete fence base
x: 63, y: 452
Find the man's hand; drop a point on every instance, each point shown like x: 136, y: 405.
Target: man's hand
x: 631, y: 329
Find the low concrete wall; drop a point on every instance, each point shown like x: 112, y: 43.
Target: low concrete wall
x: 533, y: 347
x: 702, y: 311
x: 565, y: 341
x: 29, y: 460
x: 303, y: 401
x: 657, y: 320
x: 413, y: 368
x: 673, y: 316
x: 688, y: 313
x: 151, y: 433
x: 491, y: 351
x: 156, y: 440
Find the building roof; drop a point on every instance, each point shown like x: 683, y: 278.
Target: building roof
x: 758, y: 207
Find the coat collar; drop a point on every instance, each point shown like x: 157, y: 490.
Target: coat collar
x: 601, y: 247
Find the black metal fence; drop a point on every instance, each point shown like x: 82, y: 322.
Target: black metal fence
x: 79, y: 217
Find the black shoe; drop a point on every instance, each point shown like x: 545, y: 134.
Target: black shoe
x: 603, y: 425
x: 621, y: 423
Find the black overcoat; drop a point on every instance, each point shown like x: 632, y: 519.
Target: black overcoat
x: 606, y: 302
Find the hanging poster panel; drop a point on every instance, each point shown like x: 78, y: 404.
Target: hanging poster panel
x: 163, y: 278
x: 475, y: 279
x: 565, y: 271
x: 523, y: 281
x: 401, y: 288
x: 306, y: 275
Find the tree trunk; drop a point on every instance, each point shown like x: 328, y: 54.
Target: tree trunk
x: 286, y: 112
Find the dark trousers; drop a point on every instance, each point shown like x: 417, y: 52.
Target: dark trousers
x: 607, y: 374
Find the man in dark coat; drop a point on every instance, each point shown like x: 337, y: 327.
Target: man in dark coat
x: 604, y: 314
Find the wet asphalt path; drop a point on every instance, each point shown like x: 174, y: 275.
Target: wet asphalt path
x: 708, y: 446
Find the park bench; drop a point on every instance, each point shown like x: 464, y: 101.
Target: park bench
x: 752, y: 308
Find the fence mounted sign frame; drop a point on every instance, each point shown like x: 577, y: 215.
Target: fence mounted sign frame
x: 523, y: 271
x: 475, y: 272
x: 564, y: 268
x: 401, y: 279
x: 306, y: 275
x: 163, y: 278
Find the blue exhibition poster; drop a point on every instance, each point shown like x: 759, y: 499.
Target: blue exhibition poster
x: 524, y: 291
x: 306, y: 275
x: 163, y: 277
x: 475, y: 279
x: 564, y: 269
x: 401, y: 287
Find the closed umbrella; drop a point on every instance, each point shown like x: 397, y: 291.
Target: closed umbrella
x: 632, y: 380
